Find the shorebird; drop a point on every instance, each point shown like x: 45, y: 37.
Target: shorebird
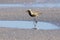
x: 35, y: 15
x: 30, y: 12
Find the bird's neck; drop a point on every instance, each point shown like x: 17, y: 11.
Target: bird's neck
x: 32, y: 12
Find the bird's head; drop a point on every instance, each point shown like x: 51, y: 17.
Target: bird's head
x: 29, y: 10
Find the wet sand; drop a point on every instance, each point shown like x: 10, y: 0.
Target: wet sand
x: 28, y: 34
x: 28, y: 1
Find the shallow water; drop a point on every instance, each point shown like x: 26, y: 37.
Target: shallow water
x: 49, y: 5
x: 27, y: 24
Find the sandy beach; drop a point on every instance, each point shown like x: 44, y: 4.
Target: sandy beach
x: 28, y: 34
x: 28, y: 1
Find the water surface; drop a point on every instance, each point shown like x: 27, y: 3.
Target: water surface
x: 27, y: 25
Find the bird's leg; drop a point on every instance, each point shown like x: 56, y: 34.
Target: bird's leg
x: 35, y: 23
